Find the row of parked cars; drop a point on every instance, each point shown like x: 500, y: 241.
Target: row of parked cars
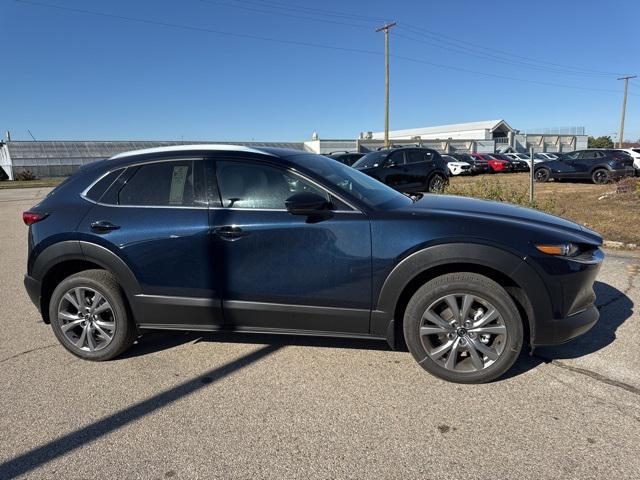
x: 417, y: 169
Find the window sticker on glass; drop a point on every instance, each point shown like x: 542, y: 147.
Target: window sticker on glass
x: 178, y: 179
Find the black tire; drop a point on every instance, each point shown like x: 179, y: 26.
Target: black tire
x: 600, y: 176
x: 436, y: 183
x: 478, y: 286
x: 542, y: 174
x: 105, y: 284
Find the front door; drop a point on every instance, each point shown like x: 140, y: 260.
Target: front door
x: 283, y: 271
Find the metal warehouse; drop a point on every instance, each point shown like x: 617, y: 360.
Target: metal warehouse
x: 62, y: 158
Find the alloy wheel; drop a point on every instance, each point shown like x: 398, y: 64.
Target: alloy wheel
x: 600, y: 177
x: 86, y: 319
x: 436, y: 184
x: 542, y: 175
x: 463, y: 332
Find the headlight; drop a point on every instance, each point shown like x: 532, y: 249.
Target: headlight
x: 562, y: 250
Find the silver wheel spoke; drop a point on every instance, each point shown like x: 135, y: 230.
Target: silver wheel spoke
x: 68, y: 316
x: 453, y: 355
x: 467, y: 301
x: 493, y: 329
x: 442, y: 349
x: 429, y: 330
x: 80, y: 297
x: 90, y: 340
x: 452, y: 301
x: 70, y: 325
x: 102, y: 333
x: 69, y: 298
x: 478, y: 363
x: 489, y: 316
x: 437, y: 320
x: 102, y: 308
x: 95, y: 301
x: 107, y: 325
x: 83, y: 336
x: 487, y: 350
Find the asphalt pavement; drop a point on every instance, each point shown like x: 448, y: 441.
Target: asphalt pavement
x: 187, y: 405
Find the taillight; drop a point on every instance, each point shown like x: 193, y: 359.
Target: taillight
x: 29, y: 218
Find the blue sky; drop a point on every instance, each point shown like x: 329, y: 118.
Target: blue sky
x: 72, y: 75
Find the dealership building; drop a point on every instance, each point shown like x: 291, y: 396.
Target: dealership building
x: 62, y: 158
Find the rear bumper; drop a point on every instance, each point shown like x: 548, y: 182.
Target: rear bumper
x: 627, y: 172
x: 33, y: 288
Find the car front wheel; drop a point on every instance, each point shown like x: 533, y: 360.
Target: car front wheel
x: 89, y: 316
x: 463, y: 327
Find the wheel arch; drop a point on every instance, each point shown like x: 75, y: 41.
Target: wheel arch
x: 63, y: 259
x: 509, y: 270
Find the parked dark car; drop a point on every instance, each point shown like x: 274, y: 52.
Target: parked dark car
x: 478, y: 165
x: 217, y: 237
x: 516, y: 164
x: 599, y: 166
x: 406, y: 169
x: 348, y: 158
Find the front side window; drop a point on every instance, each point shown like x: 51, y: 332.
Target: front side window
x: 418, y: 156
x: 254, y: 185
x: 164, y: 184
x: 396, y: 158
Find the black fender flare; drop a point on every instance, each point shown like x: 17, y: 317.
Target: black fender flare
x: 535, y: 301
x: 80, y: 250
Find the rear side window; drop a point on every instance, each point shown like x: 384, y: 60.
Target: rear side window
x: 95, y: 193
x: 165, y: 184
x: 416, y: 156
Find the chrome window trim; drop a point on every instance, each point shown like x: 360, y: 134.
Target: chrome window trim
x: 192, y: 207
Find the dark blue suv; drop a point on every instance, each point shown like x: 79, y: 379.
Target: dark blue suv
x: 280, y: 241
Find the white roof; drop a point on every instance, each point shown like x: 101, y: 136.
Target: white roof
x: 182, y: 148
x: 455, y: 127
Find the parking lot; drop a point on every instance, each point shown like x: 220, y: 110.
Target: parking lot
x: 246, y: 406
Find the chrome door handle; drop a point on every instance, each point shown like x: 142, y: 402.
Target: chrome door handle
x: 103, y: 226
x: 229, y: 232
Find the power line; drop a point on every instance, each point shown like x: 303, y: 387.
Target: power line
x: 438, y: 36
x: 196, y: 29
x: 280, y: 14
x: 493, y: 58
x: 299, y: 43
x: 433, y: 36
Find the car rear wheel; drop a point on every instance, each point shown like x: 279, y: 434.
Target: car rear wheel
x: 542, y: 174
x: 600, y: 176
x: 463, y: 327
x: 89, y: 316
x: 437, y: 182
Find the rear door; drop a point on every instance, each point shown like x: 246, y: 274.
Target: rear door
x: 155, y: 218
x: 585, y: 162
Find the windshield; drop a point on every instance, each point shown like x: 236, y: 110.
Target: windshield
x: 372, y: 159
x: 354, y: 183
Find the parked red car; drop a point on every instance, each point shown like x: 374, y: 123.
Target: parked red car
x: 495, y: 164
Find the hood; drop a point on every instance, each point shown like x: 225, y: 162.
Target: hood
x: 490, y: 210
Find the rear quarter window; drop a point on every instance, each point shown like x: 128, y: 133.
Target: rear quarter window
x: 102, y: 185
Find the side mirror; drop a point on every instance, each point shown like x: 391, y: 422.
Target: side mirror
x: 306, y: 203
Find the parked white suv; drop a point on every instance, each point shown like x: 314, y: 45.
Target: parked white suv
x: 456, y: 167
x: 635, y: 153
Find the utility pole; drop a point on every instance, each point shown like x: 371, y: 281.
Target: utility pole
x: 385, y: 28
x: 531, y: 175
x: 624, y: 108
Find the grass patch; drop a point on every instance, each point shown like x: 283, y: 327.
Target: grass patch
x: 611, y: 210
x: 38, y: 183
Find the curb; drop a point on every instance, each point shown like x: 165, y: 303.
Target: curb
x: 620, y: 245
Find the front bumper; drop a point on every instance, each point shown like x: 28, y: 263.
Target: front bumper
x: 560, y: 331
x: 33, y: 288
